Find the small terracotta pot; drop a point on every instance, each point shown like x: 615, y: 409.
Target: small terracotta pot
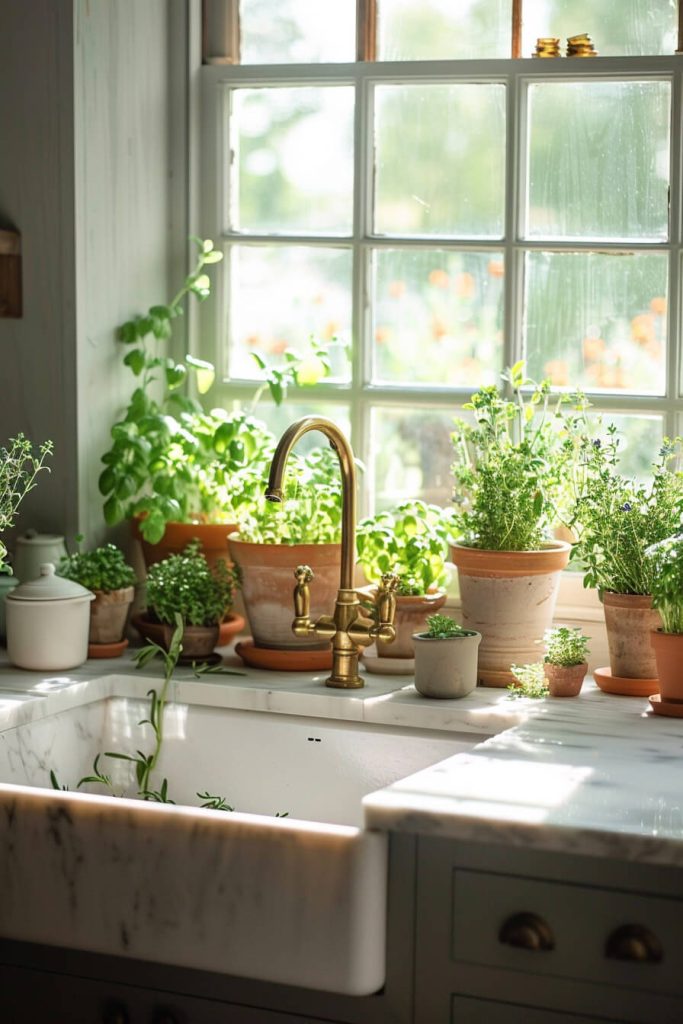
x: 565, y: 680
x: 509, y: 597
x: 411, y: 617
x: 446, y: 668
x: 668, y: 651
x: 630, y: 621
x: 198, y: 641
x: 213, y: 538
x: 267, y: 583
x: 108, y: 615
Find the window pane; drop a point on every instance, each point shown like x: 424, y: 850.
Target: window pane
x: 410, y: 456
x: 278, y: 418
x: 440, y: 160
x: 640, y: 438
x: 597, y: 321
x: 297, y: 31
x: 599, y: 160
x: 434, y: 29
x: 280, y: 295
x: 615, y: 26
x: 438, y: 317
x: 293, y: 170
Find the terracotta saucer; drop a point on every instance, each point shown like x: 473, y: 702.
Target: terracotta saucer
x: 624, y: 686
x: 388, y: 666
x: 231, y: 625
x: 107, y: 650
x: 671, y: 708
x: 282, y: 660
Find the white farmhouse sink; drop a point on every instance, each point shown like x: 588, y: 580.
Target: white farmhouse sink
x: 298, y: 900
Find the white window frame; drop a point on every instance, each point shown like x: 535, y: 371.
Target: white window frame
x: 361, y: 395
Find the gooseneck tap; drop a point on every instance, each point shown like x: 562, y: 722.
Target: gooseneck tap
x: 348, y: 629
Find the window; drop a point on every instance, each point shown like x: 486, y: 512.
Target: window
x: 443, y: 209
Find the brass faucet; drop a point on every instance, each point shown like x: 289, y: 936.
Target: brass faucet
x: 348, y: 629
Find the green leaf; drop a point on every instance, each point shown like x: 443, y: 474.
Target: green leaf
x: 261, y: 363
x: 161, y: 312
x: 213, y: 257
x: 175, y: 375
x: 114, y: 511
x: 277, y: 391
x: 135, y: 359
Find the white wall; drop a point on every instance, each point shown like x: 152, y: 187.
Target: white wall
x: 85, y: 176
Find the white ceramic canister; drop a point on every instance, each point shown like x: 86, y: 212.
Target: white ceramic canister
x: 48, y: 620
x: 32, y: 550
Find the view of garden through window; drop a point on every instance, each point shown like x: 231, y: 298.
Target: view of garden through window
x: 441, y: 209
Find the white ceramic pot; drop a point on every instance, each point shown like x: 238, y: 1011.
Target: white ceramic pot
x: 47, y: 622
x: 446, y: 667
x: 32, y: 550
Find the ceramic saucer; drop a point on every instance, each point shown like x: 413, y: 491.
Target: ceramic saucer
x: 114, y: 650
x: 283, y: 660
x: 624, y: 686
x: 671, y: 708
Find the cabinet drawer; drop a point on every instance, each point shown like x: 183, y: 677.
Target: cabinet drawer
x: 572, y: 931
x: 465, y: 1010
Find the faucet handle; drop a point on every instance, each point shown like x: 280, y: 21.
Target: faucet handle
x: 385, y: 602
x: 303, y: 574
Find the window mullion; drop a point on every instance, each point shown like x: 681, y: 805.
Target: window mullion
x: 515, y: 179
x: 362, y: 217
x: 675, y: 313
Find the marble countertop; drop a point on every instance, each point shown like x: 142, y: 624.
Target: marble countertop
x: 597, y: 775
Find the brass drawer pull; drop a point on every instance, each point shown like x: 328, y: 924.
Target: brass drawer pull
x: 635, y: 943
x: 527, y: 931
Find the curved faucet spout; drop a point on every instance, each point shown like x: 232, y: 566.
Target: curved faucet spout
x: 274, y: 490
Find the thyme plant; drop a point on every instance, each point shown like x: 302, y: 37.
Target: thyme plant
x: 565, y: 646
x: 513, y: 462
x: 186, y: 585
x: 104, y: 568
x: 20, y: 464
x: 529, y: 682
x: 665, y: 562
x: 617, y: 518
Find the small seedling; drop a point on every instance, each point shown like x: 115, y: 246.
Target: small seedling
x: 443, y: 627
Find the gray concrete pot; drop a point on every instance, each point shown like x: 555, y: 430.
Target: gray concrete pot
x: 446, y: 668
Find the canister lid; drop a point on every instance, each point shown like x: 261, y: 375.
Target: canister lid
x: 49, y: 587
x: 35, y: 540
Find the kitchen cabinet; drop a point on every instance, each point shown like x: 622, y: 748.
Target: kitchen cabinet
x: 521, y: 936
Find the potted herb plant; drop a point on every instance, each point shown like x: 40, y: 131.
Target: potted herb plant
x: 616, y: 520
x: 305, y: 529
x: 564, y: 664
x: 412, y: 541
x: 201, y: 594
x: 512, y: 460
x: 20, y: 464
x: 665, y: 562
x: 106, y: 573
x: 445, y: 658
x: 175, y: 469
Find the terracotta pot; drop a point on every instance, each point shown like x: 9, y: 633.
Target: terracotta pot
x: 446, y: 668
x: 411, y: 618
x: 668, y: 651
x: 267, y: 583
x: 565, y: 680
x: 213, y: 537
x: 630, y: 620
x: 509, y: 597
x: 108, y: 615
x: 198, y: 641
